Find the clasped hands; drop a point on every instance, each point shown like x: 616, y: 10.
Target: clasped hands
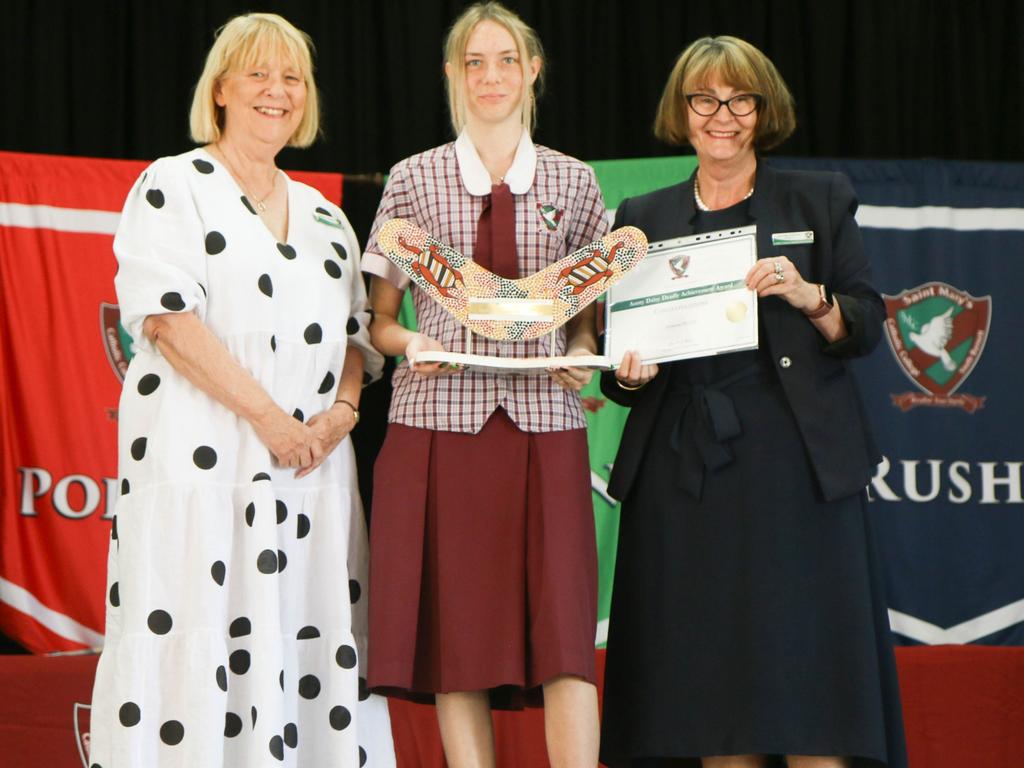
x: 304, y: 446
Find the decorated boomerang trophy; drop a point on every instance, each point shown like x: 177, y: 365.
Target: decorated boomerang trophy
x: 511, y: 310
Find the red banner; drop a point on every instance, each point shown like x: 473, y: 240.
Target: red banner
x: 62, y: 358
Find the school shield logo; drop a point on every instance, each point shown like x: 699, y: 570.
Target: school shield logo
x: 937, y: 334
x: 82, y: 716
x: 116, y: 341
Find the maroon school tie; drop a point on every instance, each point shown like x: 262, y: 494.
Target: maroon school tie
x: 495, y: 247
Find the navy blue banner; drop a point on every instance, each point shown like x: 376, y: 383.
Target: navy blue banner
x: 944, y: 392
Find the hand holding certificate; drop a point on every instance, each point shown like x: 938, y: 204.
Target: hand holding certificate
x: 687, y: 299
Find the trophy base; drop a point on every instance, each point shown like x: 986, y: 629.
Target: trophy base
x: 515, y: 365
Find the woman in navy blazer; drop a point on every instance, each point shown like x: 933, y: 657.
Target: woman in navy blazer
x: 748, y: 617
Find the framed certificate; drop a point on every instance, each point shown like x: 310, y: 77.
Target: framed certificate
x: 686, y: 299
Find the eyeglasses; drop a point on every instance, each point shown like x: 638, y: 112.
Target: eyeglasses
x: 706, y: 105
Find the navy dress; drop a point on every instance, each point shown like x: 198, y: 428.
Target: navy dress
x: 748, y: 615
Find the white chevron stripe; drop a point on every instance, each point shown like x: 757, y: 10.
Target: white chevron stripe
x: 59, y: 219
x: 940, y: 217
x: 960, y: 634
x: 22, y: 600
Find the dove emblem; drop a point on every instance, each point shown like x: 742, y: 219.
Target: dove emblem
x: 934, y: 336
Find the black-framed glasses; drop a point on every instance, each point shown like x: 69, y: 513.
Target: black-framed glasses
x: 706, y: 105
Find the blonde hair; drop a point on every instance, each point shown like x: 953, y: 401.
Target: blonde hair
x: 527, y: 43
x: 239, y: 44
x: 733, y: 62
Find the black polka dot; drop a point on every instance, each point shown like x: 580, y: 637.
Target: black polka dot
x: 204, y: 457
x: 217, y: 571
x: 172, y: 300
x: 364, y: 689
x: 248, y: 205
x: 148, y: 384
x: 340, y: 718
x: 286, y: 250
x: 308, y: 632
x: 232, y: 724
x: 273, y: 343
x: 313, y: 334
x: 340, y: 250
x: 252, y: 714
x: 202, y: 166
x: 298, y: 414
x: 113, y: 526
x: 277, y: 748
x: 267, y: 561
x: 352, y: 326
x: 115, y: 594
x: 250, y: 514
x: 309, y: 686
x: 282, y: 560
x: 302, y: 526
x: 125, y: 486
x: 155, y: 198
x: 280, y: 679
x: 172, y: 732
x: 222, y: 678
x: 239, y: 662
x: 139, y: 448
x: 260, y: 476
x: 202, y: 288
x: 282, y: 511
x: 362, y: 757
x: 327, y: 384
x: 323, y: 211
x: 291, y: 735
x: 215, y: 243
x: 159, y: 622
x: 346, y: 656
x: 129, y: 714
x: 240, y: 627
x: 265, y: 284
x: 332, y: 268
x: 354, y: 590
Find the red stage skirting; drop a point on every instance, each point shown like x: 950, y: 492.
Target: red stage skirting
x: 963, y: 707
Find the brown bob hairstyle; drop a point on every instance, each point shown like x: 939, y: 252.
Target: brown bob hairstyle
x: 732, y: 62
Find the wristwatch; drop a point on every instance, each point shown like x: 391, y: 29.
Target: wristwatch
x: 825, y: 303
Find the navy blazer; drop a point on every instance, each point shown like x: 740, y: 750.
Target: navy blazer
x: 814, y: 374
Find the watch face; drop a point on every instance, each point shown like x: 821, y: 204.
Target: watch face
x: 826, y: 294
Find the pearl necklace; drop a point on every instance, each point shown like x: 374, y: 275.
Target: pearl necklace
x: 701, y: 205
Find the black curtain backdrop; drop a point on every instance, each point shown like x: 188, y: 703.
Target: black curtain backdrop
x: 872, y: 78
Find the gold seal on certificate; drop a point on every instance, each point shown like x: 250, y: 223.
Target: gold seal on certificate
x: 687, y: 299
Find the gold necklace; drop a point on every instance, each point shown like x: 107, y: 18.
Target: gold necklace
x: 701, y: 205
x: 260, y: 204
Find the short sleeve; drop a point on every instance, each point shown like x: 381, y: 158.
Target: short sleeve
x: 590, y: 221
x: 357, y: 327
x: 395, y: 203
x: 161, y: 250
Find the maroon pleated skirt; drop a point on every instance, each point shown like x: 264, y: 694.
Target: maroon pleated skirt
x: 483, y: 563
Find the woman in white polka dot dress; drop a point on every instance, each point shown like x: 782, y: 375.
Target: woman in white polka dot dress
x: 236, y: 604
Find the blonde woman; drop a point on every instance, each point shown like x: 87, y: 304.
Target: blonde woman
x: 483, y: 576
x: 236, y: 615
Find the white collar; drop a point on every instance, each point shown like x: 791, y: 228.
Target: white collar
x: 476, y: 178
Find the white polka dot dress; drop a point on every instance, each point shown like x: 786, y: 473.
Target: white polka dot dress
x: 236, y: 605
